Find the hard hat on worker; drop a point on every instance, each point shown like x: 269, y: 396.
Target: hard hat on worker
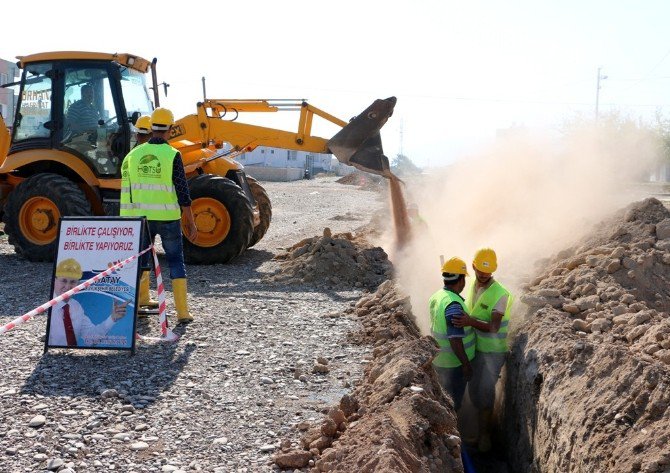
x: 69, y: 268
x: 143, y: 125
x: 161, y: 119
x: 485, y: 260
x: 455, y: 266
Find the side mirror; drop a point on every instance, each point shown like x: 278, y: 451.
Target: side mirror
x: 134, y: 117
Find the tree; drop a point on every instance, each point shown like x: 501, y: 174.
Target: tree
x: 661, y: 128
x: 401, y: 165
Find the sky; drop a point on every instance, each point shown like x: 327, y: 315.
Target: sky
x: 461, y: 71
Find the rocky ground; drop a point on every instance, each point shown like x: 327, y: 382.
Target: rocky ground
x: 223, y: 398
x: 588, y: 382
x: 293, y: 366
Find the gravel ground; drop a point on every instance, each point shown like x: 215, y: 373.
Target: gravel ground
x: 223, y: 397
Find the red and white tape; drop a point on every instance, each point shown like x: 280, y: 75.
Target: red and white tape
x: 167, y: 334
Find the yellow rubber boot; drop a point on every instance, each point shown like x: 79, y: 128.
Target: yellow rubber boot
x: 145, y: 297
x: 179, y: 290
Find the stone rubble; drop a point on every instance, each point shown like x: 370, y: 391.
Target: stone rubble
x: 397, y: 419
x: 590, y: 369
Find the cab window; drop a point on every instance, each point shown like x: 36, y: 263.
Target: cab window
x: 89, y: 114
x: 34, y: 115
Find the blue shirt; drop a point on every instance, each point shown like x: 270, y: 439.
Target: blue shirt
x: 454, y: 310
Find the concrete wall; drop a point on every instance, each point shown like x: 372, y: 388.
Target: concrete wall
x: 273, y: 174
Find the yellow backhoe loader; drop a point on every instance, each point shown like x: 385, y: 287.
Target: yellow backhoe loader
x: 74, y: 124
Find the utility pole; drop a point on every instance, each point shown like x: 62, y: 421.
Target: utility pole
x: 600, y: 77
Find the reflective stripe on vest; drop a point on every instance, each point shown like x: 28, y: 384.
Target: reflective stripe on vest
x: 146, y: 187
x: 482, y: 309
x: 438, y: 325
x: 126, y: 207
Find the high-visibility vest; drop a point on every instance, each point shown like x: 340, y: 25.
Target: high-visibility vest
x: 146, y: 183
x: 482, y: 309
x: 438, y: 302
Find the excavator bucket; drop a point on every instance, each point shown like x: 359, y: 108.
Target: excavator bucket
x: 359, y: 144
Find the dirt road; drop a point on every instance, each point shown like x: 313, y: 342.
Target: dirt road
x: 222, y: 398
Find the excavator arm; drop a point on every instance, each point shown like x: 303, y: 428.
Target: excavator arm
x: 357, y: 144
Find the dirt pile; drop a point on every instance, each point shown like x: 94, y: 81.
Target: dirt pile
x: 363, y: 180
x: 334, y: 261
x: 398, y: 418
x: 588, y: 382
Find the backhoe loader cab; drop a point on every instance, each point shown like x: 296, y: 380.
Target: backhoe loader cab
x: 71, y: 131
x: 74, y: 126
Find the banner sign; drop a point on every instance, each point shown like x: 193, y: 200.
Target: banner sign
x: 103, y: 315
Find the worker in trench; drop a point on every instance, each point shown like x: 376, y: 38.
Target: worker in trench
x: 457, y: 344
x: 154, y: 186
x: 489, y: 304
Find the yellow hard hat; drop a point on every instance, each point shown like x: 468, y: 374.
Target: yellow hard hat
x: 69, y: 268
x: 143, y: 125
x: 485, y: 260
x: 161, y: 119
x: 455, y: 266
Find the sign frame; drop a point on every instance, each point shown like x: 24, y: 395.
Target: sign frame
x: 133, y: 296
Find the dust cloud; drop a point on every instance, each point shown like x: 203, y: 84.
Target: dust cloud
x: 527, y: 198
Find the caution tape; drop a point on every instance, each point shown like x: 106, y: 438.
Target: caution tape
x: 167, y: 334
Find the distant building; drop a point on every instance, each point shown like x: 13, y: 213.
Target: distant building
x: 314, y: 163
x: 8, y: 73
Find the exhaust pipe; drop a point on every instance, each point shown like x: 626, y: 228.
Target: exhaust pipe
x: 359, y: 143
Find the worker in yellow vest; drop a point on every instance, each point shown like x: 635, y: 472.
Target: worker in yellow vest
x: 457, y: 344
x: 154, y: 186
x: 489, y: 304
x: 143, y: 135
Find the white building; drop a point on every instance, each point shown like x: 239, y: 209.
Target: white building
x: 283, y: 158
x: 8, y: 73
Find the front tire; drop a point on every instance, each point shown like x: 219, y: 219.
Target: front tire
x: 264, y: 207
x: 33, y: 210
x: 224, y: 218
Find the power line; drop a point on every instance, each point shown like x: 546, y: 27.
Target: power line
x: 646, y: 76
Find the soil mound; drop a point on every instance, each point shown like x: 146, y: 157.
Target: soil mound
x: 398, y: 418
x: 598, y: 340
x: 365, y: 181
x: 334, y: 261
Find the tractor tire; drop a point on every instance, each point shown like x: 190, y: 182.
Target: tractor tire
x: 264, y: 207
x: 224, y: 218
x: 33, y: 210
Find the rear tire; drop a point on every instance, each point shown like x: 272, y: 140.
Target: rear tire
x: 33, y: 210
x: 224, y: 217
x: 264, y: 207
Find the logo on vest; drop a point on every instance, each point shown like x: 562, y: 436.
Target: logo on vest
x: 149, y: 166
x: 484, y: 306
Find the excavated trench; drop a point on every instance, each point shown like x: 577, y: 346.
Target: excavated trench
x: 587, y: 384
x: 588, y: 379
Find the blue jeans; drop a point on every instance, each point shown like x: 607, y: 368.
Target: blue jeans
x: 452, y: 381
x: 170, y: 232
